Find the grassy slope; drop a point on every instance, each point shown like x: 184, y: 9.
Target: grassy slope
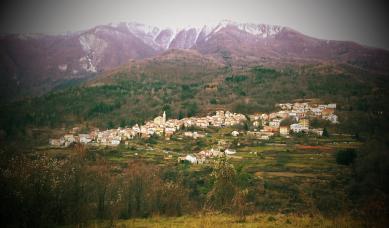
x: 223, y: 220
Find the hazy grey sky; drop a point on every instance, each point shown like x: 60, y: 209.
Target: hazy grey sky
x: 363, y: 21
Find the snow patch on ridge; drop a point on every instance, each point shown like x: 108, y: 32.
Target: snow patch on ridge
x: 148, y: 34
x: 260, y: 30
x: 94, y: 48
x: 87, y: 65
x: 172, y: 37
x: 63, y: 67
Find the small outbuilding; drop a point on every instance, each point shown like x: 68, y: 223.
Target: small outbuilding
x: 235, y: 133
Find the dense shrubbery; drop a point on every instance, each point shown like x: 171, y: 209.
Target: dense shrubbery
x: 369, y: 188
x: 46, y: 191
x: 345, y: 157
x: 236, y: 78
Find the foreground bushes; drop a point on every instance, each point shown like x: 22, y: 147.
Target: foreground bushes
x: 45, y: 191
x: 346, y: 157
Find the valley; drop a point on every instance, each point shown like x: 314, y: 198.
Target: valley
x: 234, y: 124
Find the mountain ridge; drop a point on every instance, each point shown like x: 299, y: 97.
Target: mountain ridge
x: 36, y: 63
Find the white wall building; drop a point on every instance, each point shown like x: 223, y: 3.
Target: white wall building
x: 296, y: 128
x: 192, y: 159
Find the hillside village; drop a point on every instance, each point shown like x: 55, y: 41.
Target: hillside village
x: 264, y: 126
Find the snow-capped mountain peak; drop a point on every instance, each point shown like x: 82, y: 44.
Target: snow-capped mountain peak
x: 188, y: 36
x: 261, y: 30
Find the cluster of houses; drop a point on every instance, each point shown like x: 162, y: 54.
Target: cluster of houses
x: 204, y: 155
x: 265, y: 126
x: 269, y: 125
x: 298, y: 113
x: 159, y: 126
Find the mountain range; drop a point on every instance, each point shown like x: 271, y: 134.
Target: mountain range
x: 32, y: 64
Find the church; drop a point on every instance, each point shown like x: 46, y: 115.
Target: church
x: 160, y: 120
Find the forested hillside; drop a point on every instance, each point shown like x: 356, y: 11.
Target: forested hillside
x: 135, y: 94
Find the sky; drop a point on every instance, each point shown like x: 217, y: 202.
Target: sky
x: 362, y: 21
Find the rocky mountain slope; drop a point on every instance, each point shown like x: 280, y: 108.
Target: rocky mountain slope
x: 34, y: 64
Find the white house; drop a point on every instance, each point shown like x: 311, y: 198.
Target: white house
x: 256, y: 123
x: 284, y: 130
x: 136, y: 128
x: 115, y: 142
x: 55, y: 142
x: 297, y: 128
x: 192, y: 159
x: 317, y: 131
x: 333, y: 118
x: 230, y: 151
x: 69, y: 138
x: 316, y: 111
x: 275, y: 123
x: 235, y: 133
x: 85, y: 138
x: 188, y: 134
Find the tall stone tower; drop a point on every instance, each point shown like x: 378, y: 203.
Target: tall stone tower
x: 164, y: 117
